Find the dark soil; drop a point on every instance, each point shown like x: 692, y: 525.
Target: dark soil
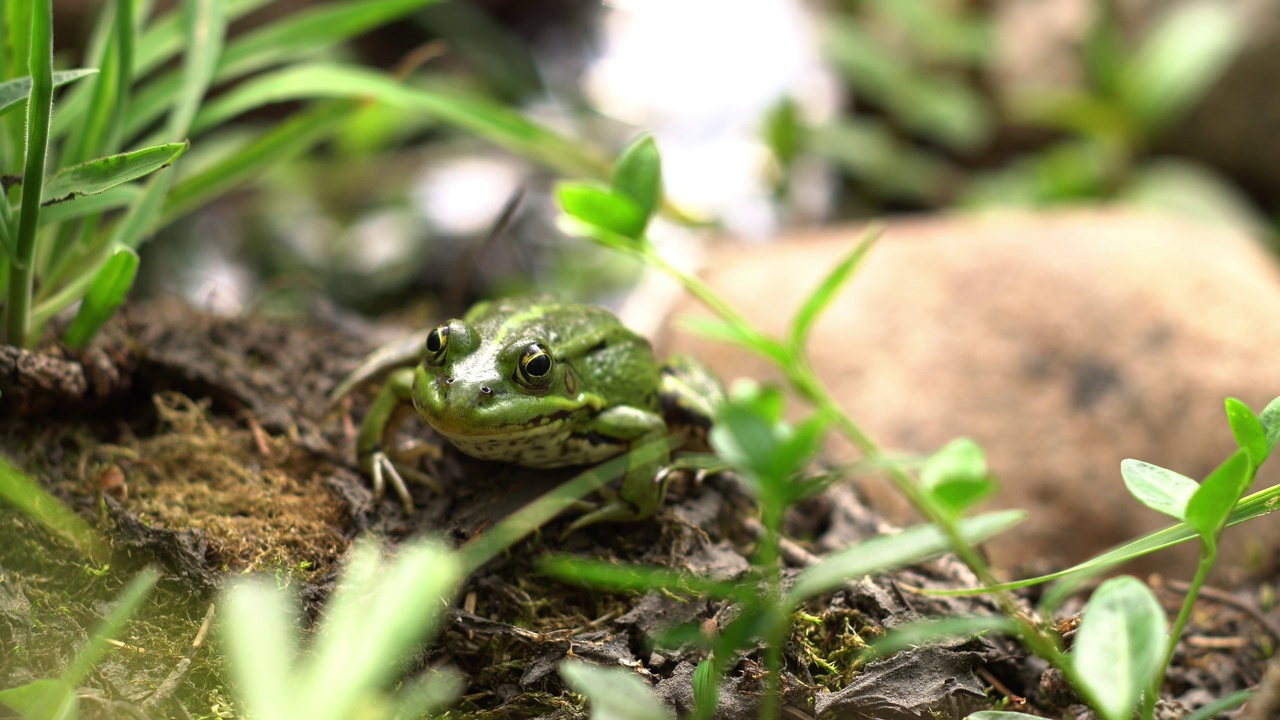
x: 203, y: 445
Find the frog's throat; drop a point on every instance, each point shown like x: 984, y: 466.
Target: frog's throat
x: 544, y: 425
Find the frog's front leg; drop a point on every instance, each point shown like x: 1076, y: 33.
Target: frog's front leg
x: 389, y: 408
x: 642, y: 487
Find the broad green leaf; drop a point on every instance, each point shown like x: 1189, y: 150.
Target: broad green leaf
x: 870, y: 151
x: 1270, y: 419
x: 16, y: 91
x: 1209, y: 507
x: 1182, y: 57
x: 890, y: 552
x: 613, y: 693
x: 1263, y: 502
x: 957, y: 475
x: 1248, y: 430
x: 430, y: 694
x: 599, y: 206
x: 783, y: 131
x: 1158, y: 488
x: 105, y: 295
x: 638, y: 176
x: 826, y: 290
x: 260, y: 646
x: 102, y: 174
x: 111, y: 627
x: 1119, y: 646
x: 49, y: 699
x: 488, y: 120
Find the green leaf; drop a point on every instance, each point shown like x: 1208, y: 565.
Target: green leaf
x: 1270, y: 419
x: 16, y: 91
x: 1000, y: 715
x: 1263, y: 502
x: 1209, y: 507
x: 706, y: 688
x: 599, y: 206
x: 614, y: 693
x: 102, y: 174
x: 1179, y: 61
x: 890, y: 552
x: 1118, y: 646
x: 28, y: 497
x: 640, y: 578
x: 84, y: 205
x: 924, y: 632
x: 783, y: 131
x: 488, y: 120
x: 638, y: 176
x: 826, y: 290
x: 1248, y: 430
x: 49, y: 699
x: 1221, y: 705
x: 1158, y: 488
x: 105, y: 295
x: 957, y: 475
x: 743, y: 336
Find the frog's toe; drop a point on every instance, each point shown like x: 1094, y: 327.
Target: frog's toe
x: 383, y: 469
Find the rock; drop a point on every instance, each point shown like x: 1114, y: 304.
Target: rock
x: 1063, y: 342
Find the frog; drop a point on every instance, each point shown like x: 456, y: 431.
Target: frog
x: 541, y: 383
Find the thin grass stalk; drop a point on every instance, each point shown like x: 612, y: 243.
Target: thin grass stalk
x: 39, y: 110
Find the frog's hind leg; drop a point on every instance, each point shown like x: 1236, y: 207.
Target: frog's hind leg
x: 690, y: 394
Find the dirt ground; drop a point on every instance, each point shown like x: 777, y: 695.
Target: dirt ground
x: 202, y: 445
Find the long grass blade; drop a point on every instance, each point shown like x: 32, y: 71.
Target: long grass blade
x: 106, y: 293
x: 39, y: 109
x: 15, y: 91
x: 489, y: 120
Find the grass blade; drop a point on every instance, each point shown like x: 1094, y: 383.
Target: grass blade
x: 107, y: 292
x: 15, y: 91
x: 111, y: 627
x: 39, y: 110
x: 826, y: 290
x: 24, y: 493
x: 113, y: 199
x: 486, y: 119
x: 102, y: 174
x: 302, y: 35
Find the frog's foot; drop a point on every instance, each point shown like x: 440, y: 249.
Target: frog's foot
x: 383, y: 469
x: 615, y: 510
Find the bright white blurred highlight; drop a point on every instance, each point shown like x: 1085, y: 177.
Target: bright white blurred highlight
x: 465, y: 195
x: 701, y: 75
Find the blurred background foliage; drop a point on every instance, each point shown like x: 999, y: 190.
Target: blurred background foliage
x: 770, y: 115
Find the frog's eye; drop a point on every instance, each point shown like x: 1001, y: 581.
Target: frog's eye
x: 437, y: 344
x: 534, y: 368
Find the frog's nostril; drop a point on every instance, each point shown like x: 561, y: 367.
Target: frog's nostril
x: 486, y: 389
x: 448, y: 381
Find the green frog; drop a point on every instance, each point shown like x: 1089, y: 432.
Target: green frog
x: 540, y: 383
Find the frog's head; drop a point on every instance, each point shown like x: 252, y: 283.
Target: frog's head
x: 472, y: 386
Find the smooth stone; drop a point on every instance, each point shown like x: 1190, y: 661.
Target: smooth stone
x: 1063, y: 342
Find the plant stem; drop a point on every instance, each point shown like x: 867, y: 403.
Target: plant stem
x: 768, y: 556
x: 39, y: 107
x: 1208, y: 556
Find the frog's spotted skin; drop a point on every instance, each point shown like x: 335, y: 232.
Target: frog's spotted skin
x: 540, y: 383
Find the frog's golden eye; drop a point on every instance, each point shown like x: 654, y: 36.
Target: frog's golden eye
x: 534, y: 368
x: 437, y: 344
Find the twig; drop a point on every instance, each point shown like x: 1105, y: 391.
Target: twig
x: 170, y: 684
x: 1226, y: 598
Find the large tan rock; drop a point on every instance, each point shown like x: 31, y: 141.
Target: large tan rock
x: 1062, y: 342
